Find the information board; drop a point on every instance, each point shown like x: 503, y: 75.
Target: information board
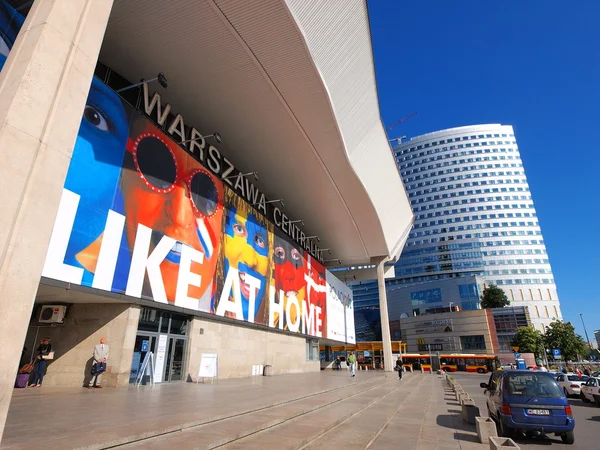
x: 208, y: 366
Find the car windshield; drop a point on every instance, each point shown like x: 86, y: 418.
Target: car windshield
x: 576, y: 378
x: 532, y: 385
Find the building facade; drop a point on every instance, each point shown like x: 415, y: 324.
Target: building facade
x: 166, y: 215
x: 474, y: 216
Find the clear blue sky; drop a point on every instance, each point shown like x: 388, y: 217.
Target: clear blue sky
x: 531, y: 64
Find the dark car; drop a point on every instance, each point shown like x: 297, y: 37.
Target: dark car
x: 528, y: 402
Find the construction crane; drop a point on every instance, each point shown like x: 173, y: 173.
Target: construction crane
x: 404, y: 119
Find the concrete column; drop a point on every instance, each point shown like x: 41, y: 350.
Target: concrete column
x: 385, y: 321
x: 43, y: 89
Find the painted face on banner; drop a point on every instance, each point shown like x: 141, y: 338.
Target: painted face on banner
x: 289, y: 267
x: 316, y: 287
x: 247, y: 250
x: 171, y: 193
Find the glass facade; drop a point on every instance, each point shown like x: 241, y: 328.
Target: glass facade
x: 474, y: 215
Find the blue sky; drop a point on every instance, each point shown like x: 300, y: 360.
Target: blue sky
x: 531, y: 64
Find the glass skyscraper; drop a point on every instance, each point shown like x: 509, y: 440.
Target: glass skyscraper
x: 474, y: 216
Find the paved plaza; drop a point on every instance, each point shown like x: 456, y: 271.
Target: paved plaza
x: 302, y: 411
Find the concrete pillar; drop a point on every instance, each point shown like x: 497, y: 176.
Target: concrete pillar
x: 385, y: 322
x: 43, y: 89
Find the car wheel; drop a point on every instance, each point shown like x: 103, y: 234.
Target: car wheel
x: 504, y: 430
x: 583, y: 397
x: 566, y: 392
x: 480, y: 370
x: 597, y: 400
x: 568, y: 437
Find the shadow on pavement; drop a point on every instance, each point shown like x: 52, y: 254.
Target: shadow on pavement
x: 594, y: 418
x: 466, y: 437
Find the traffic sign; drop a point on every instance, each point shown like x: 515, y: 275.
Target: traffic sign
x: 556, y: 353
x: 515, y: 349
x: 517, y: 355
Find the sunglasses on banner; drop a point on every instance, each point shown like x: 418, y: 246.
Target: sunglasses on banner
x: 157, y: 166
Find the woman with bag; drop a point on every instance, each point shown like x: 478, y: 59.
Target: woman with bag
x: 399, y: 367
x: 43, y: 353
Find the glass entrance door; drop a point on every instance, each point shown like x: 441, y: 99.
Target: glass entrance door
x: 143, y: 344
x: 174, y: 360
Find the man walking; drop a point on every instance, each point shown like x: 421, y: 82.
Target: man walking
x: 399, y: 367
x: 352, y: 362
x: 99, y: 366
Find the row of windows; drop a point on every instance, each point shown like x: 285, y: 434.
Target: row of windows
x: 463, y: 169
x: 470, y: 176
x: 472, y: 236
x: 457, y: 139
x: 516, y: 271
x: 477, y: 226
x: 525, y: 281
x: 528, y: 251
x: 404, y: 165
x: 512, y: 262
x: 462, y: 202
x: 505, y: 198
x: 458, y: 169
x: 475, y: 217
x: 441, y: 248
x: 455, y: 193
x: 437, y: 258
x: 442, y: 267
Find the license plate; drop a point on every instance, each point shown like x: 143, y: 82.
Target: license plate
x: 538, y: 412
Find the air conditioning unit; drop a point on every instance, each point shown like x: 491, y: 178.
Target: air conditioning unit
x: 52, y: 314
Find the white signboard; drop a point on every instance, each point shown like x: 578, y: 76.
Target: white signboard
x: 160, y: 358
x: 208, y: 366
x: 340, y: 311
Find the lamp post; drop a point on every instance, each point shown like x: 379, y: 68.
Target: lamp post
x: 584, y: 329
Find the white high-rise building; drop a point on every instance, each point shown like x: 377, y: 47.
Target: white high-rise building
x: 474, y: 215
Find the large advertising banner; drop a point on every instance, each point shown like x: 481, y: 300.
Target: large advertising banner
x: 140, y: 215
x: 340, y: 310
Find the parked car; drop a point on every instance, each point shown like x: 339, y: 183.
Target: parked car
x: 571, y: 383
x: 529, y: 402
x: 590, y: 391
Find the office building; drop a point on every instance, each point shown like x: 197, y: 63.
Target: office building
x: 474, y: 216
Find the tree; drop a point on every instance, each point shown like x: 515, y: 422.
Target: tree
x: 494, y: 297
x: 562, y: 336
x: 529, y: 340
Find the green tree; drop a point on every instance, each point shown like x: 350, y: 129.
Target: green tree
x: 562, y: 335
x: 529, y: 340
x: 494, y: 297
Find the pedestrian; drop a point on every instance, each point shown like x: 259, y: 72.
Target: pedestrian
x: 352, y: 363
x: 399, y: 367
x: 43, y: 353
x: 338, y: 363
x: 99, y: 366
x: 587, y: 371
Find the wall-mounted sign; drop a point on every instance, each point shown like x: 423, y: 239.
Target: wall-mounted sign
x: 434, y: 326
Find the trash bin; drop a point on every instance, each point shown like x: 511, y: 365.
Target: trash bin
x: 268, y: 371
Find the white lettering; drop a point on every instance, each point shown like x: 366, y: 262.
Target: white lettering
x: 149, y: 106
x: 109, y: 251
x: 142, y: 263
x: 54, y: 266
x: 275, y: 308
x: 178, y: 128
x: 251, y: 192
x: 292, y: 301
x: 253, y: 285
x: 227, y: 171
x: 197, y: 144
x: 284, y: 224
x: 277, y: 216
x: 262, y: 206
x: 231, y: 286
x: 239, y: 184
x: 214, y: 159
x: 308, y: 311
x: 319, y: 321
x: 187, y: 278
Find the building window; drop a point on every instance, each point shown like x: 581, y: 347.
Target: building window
x: 312, y: 350
x: 472, y: 342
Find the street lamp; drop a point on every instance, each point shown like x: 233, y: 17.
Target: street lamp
x: 584, y: 329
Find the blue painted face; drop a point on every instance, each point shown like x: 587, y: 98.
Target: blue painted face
x: 96, y: 163
x: 246, y: 249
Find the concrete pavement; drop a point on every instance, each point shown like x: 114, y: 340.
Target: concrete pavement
x: 304, y: 411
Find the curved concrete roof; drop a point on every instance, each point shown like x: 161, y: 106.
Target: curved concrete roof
x: 290, y: 86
